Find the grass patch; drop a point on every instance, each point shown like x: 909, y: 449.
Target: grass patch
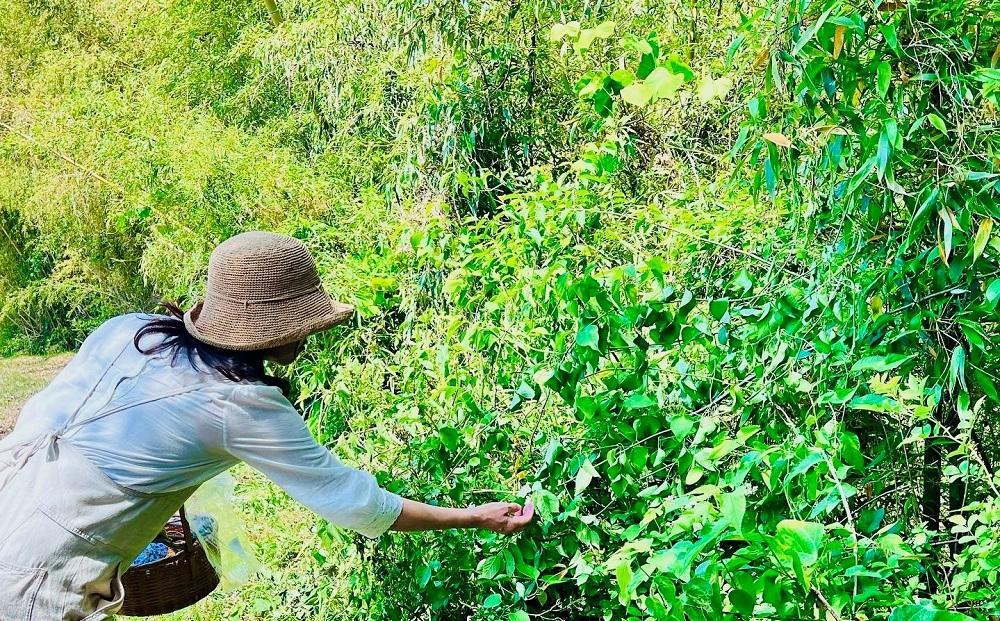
x: 20, y: 378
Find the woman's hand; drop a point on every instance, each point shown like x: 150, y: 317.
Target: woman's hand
x: 502, y: 517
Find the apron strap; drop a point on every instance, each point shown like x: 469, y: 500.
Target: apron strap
x: 24, y: 451
x: 49, y: 441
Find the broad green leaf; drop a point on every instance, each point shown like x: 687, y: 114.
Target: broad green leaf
x: 734, y: 506
x: 546, y: 502
x: 681, y: 426
x: 718, y: 308
x: 874, y: 403
x: 795, y: 539
x: 881, y: 364
x: 584, y: 476
x: 558, y: 32
x: 638, y: 401
x: 850, y: 451
x: 589, y: 336
x: 449, y: 438
x: 637, y: 93
x: 710, y: 88
x: 743, y: 602
x: 604, y: 30
x: 663, y: 84
x: 424, y: 575
x: 492, y: 601
x: 585, y: 40
x: 519, y: 615
x: 623, y: 77
x: 623, y: 576
x: 814, y: 457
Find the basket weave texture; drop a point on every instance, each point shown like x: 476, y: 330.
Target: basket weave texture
x: 171, y: 583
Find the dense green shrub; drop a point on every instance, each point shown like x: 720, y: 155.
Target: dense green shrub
x: 714, y: 285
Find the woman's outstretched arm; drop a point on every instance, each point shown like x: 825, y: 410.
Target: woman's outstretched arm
x: 501, y: 517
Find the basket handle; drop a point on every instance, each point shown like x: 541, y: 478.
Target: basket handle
x: 188, y: 540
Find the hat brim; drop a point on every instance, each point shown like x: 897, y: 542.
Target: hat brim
x: 257, y: 325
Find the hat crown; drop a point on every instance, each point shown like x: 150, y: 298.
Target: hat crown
x: 263, y: 291
x: 258, y: 266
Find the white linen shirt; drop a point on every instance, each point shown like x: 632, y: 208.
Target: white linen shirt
x: 183, y: 440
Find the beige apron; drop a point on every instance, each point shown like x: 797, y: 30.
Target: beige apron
x: 68, y: 532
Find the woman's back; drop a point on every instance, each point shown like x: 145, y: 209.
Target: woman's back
x: 168, y: 441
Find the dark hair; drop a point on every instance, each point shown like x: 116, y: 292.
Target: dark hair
x: 234, y: 365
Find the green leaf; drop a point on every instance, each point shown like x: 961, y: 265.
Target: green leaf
x: 743, y: 602
x: 922, y: 214
x: 883, y: 76
x: 798, y: 540
x: 860, y: 176
x: 956, y: 370
x: 589, y: 336
x: 734, y: 506
x: 883, y: 153
x: 710, y: 89
x: 449, y: 438
x: 813, y: 29
x: 518, y: 615
x: 547, y: 503
x: 881, y: 364
x: 925, y: 612
x: 937, y: 122
x: 492, y: 601
x: 623, y: 77
x: 623, y: 575
x: 586, y: 38
x: 424, y: 575
x: 663, y: 83
x: 638, y: 401
x: 637, y: 93
x: 718, y: 308
x: 584, y: 476
x: 982, y: 238
x: 850, y: 451
x: 604, y: 30
x: 874, y: 403
x: 681, y: 426
x: 993, y: 293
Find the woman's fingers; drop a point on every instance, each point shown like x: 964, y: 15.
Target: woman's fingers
x: 521, y: 519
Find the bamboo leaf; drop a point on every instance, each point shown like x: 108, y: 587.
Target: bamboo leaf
x: 779, y: 139
x: 982, y: 238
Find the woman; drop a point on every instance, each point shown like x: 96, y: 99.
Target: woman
x: 153, y: 406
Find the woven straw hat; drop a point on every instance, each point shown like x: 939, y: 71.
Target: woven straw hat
x: 263, y: 291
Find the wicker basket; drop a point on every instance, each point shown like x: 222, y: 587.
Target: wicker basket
x: 172, y: 583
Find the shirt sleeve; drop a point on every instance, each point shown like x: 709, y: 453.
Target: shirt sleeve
x: 264, y: 430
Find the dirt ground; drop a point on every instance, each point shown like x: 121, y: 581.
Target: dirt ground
x: 21, y: 377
